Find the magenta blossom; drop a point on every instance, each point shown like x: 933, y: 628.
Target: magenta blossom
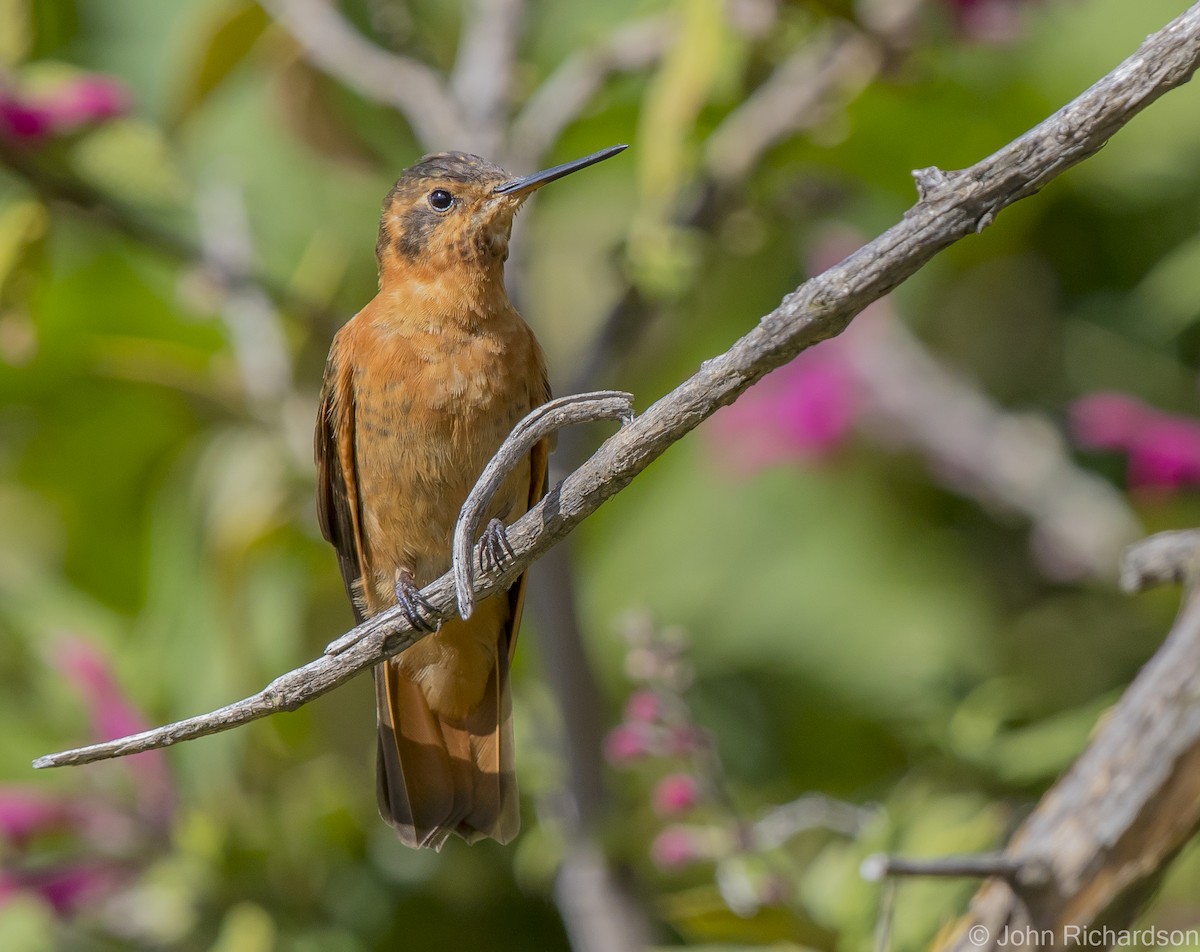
x: 60, y: 848
x: 678, y: 846
x: 33, y: 118
x: 65, y: 888
x: 627, y: 742
x: 88, y: 99
x: 802, y: 410
x: 24, y: 813
x: 1163, y: 449
x: 643, y: 707
x: 675, y: 794
x: 22, y: 120
x: 76, y: 849
x: 1107, y: 421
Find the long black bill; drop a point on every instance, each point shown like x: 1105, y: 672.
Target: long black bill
x: 528, y: 183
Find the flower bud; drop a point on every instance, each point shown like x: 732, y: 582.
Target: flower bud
x: 675, y: 794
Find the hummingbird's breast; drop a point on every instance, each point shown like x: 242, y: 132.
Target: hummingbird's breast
x: 433, y: 403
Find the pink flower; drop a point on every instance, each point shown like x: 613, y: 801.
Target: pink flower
x: 59, y: 848
x: 74, y: 850
x: 676, y: 847
x: 802, y: 410
x: 1166, y: 454
x: 1107, y: 421
x: 88, y: 99
x: 22, y: 120
x: 25, y: 813
x: 626, y: 743
x: 643, y: 707
x: 70, y: 886
x: 72, y: 105
x: 675, y: 794
x: 1163, y: 449
x: 68, y: 852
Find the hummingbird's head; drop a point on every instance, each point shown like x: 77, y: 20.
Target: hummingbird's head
x: 454, y: 208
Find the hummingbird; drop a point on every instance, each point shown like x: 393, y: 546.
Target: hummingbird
x: 420, y: 389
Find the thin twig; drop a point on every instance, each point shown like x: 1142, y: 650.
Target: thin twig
x: 956, y: 205
x: 546, y: 419
x: 881, y: 866
x: 414, y: 89
x: 810, y: 812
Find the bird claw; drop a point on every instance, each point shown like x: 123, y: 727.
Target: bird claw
x: 494, y: 547
x: 414, y: 605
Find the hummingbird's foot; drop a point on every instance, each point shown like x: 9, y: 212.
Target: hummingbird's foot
x: 413, y: 604
x: 494, y: 548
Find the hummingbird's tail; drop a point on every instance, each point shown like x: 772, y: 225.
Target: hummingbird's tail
x: 440, y: 774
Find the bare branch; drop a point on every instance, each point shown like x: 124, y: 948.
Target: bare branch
x: 881, y: 866
x: 1163, y: 559
x: 810, y: 812
x: 484, y: 66
x: 407, y: 85
x: 956, y: 206
x: 546, y: 419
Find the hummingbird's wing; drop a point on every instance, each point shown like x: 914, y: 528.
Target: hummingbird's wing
x: 338, y: 509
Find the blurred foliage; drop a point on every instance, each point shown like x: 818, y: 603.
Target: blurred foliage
x: 857, y: 628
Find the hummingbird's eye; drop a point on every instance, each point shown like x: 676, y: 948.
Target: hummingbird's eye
x: 440, y: 200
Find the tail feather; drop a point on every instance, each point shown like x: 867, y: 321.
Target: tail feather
x: 438, y: 776
x: 492, y: 806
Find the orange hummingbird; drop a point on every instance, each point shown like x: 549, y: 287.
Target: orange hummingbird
x: 421, y: 387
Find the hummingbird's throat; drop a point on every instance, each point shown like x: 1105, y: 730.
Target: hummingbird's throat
x: 497, y: 244
x: 493, y: 226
